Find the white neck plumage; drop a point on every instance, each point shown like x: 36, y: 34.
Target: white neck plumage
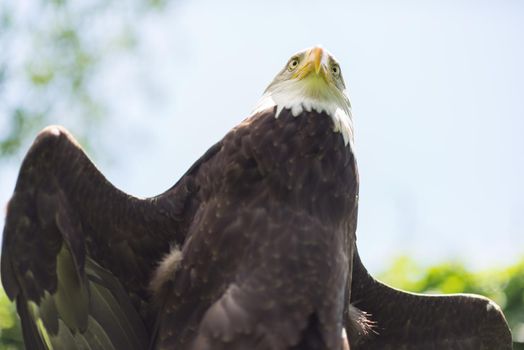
x: 297, y: 97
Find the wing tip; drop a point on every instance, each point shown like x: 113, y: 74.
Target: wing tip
x: 497, y: 324
x: 491, y: 325
x: 53, y: 133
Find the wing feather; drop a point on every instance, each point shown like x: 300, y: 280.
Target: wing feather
x: 412, y: 321
x: 78, y: 253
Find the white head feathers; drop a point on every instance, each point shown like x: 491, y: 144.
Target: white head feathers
x: 311, y: 80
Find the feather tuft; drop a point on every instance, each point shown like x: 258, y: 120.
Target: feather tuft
x: 166, y: 270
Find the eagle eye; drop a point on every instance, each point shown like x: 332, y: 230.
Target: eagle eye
x: 335, y: 70
x: 293, y: 63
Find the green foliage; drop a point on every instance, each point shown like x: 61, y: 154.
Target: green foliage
x: 504, y: 286
x: 10, y: 332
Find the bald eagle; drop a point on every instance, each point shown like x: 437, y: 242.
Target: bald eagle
x: 253, y: 248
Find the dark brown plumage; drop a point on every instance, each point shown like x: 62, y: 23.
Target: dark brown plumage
x: 265, y: 222
x: 273, y: 238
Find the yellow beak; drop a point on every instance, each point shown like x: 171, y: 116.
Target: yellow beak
x: 312, y: 63
x: 315, y: 56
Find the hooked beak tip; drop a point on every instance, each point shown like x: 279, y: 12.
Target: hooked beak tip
x: 317, y: 54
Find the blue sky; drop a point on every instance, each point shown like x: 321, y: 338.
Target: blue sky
x: 437, y: 91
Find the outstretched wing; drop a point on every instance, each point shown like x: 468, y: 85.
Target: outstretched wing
x: 77, y: 253
x: 411, y: 321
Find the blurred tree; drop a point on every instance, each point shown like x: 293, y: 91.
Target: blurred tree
x: 50, y: 51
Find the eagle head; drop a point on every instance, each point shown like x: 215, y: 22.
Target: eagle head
x: 311, y: 80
